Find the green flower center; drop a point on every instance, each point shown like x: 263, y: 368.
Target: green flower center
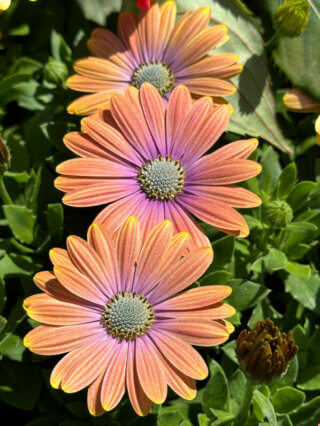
x: 128, y: 315
x: 157, y: 73
x: 162, y: 179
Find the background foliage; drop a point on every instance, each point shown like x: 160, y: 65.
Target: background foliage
x: 273, y: 273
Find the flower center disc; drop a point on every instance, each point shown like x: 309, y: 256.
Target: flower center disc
x: 162, y: 179
x: 157, y: 73
x: 128, y: 315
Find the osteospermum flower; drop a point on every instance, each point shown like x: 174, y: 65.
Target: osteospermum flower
x: 117, y: 308
x: 153, y: 49
x: 147, y: 160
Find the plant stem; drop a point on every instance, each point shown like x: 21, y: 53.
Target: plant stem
x: 244, y: 409
x: 4, y: 195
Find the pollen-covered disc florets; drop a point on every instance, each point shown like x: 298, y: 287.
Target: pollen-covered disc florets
x: 157, y: 73
x: 162, y: 179
x: 128, y: 315
x: 264, y: 353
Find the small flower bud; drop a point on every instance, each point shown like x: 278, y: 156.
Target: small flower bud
x: 297, y: 101
x: 279, y: 214
x: 291, y: 17
x: 4, y: 156
x: 264, y: 353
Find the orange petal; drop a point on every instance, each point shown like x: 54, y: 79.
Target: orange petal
x: 88, y: 104
x: 230, y: 195
x: 168, y: 11
x: 148, y: 31
x: 94, y: 396
x: 297, y: 101
x: 207, y: 86
x: 212, y: 64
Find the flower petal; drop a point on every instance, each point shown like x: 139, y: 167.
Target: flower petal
x: 128, y: 33
x: 139, y: 401
x: 94, y: 396
x: 91, y: 84
x: 85, y: 146
x: 209, y: 65
x: 46, y: 309
x: 208, y: 86
x: 128, y: 244
x: 150, y: 371
x: 95, y: 167
x: 101, y: 69
x: 172, y: 347
x: 88, y: 104
x: 230, y: 195
x: 59, y: 256
x: 113, y: 385
x: 52, y: 340
x: 168, y: 11
x: 148, y: 32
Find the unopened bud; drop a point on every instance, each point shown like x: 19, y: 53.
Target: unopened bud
x: 264, y: 353
x: 279, y: 214
x: 297, y: 101
x: 291, y: 17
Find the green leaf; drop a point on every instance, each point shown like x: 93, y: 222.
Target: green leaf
x: 247, y: 294
x: 305, y: 290
x: 15, y: 379
x: 310, y: 381
x: 253, y: 103
x: 287, y: 399
x: 172, y: 415
x: 55, y: 71
x: 3, y: 297
x: 275, y: 260
x: 223, y: 251
x: 294, y: 268
x: 203, y: 420
x: 21, y: 222
x: 216, y: 392
x: 299, y: 57
x: 217, y: 277
x: 289, y: 378
x: 237, y: 386
x: 306, y: 411
x: 300, y: 193
x: 55, y: 220
x: 98, y: 10
x: 265, y: 406
x: 297, y: 233
x: 287, y: 181
x: 271, y: 171
x: 223, y: 417
x: 16, y: 264
x: 12, y: 347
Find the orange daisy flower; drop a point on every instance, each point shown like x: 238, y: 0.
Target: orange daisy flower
x: 152, y: 48
x: 117, y: 308
x: 147, y: 160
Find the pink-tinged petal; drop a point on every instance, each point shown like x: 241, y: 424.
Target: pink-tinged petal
x: 139, y: 401
x: 208, y: 86
x: 101, y: 69
x: 224, y: 172
x: 200, y: 45
x: 227, y: 73
x: 150, y: 370
x: 52, y: 340
x: 180, y: 354
x: 48, y: 310
x: 179, y: 104
x: 148, y: 32
x: 149, y: 214
x: 239, y: 150
x: 79, y: 285
x: 127, y: 111
x: 230, y: 195
x: 181, y: 384
x: 185, y: 29
x: 85, y: 146
x: 128, y: 33
x: 48, y: 283
x: 177, y: 249
x: 154, y: 111
x: 87, y: 260
x: 94, y: 396
x: 182, y: 221
x: 101, y: 241
x: 204, y: 136
x: 193, y: 128
x: 214, y: 312
x: 88, y: 104
x: 128, y: 244
x: 196, y: 298
x: 95, y: 167
x: 209, y: 66
x: 113, y: 385
x: 100, y: 193
x: 87, y: 366
x: 115, y: 214
x: 73, y: 183
x: 195, y: 331
x: 168, y: 11
x: 152, y: 251
x: 214, y: 212
x: 91, y: 85
x: 105, y: 44
x: 185, y: 272
x: 64, y: 364
x: 112, y: 140
x: 59, y: 256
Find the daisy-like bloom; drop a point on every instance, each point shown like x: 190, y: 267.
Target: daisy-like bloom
x: 152, y: 48
x: 117, y: 307
x: 146, y: 159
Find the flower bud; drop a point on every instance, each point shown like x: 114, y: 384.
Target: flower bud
x: 4, y: 156
x: 279, y: 214
x: 297, y: 101
x: 264, y: 353
x: 291, y: 17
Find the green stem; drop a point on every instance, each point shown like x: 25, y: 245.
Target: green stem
x: 4, y: 195
x: 246, y: 403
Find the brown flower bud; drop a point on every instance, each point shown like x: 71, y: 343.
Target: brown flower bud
x: 264, y: 353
